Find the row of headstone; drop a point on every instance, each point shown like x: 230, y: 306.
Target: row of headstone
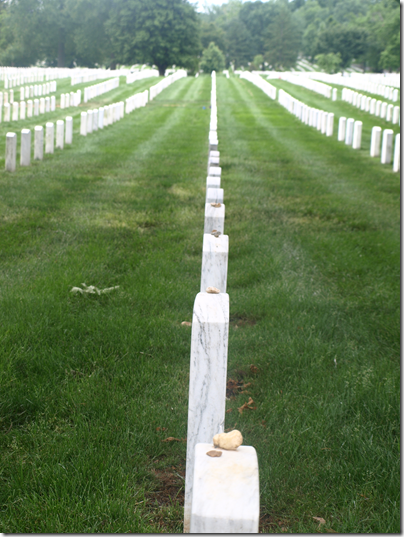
x: 18, y: 76
x: 258, y: 81
x: 99, y: 89
x: 379, y: 108
x: 319, y: 119
x: 226, y: 73
x: 70, y: 99
x: 386, y: 151
x: 369, y: 82
x: 163, y: 84
x: 140, y: 75
x: 92, y: 120
x: 308, y: 83
x: 80, y: 76
x: 136, y: 101
x: 37, y: 90
x: 64, y: 135
x: 350, y: 132
x: 221, y: 486
x: 27, y: 109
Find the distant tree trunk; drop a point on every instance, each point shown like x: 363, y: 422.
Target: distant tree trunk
x: 162, y: 69
x: 61, y: 48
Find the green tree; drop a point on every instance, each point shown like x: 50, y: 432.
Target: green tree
x: 329, y: 62
x: 283, y: 39
x: 161, y: 32
x: 258, y: 62
x: 212, y: 59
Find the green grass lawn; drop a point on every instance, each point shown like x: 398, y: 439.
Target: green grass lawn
x: 91, y: 386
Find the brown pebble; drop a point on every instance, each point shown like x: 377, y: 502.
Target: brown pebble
x: 186, y: 323
x: 216, y: 205
x: 213, y: 290
x: 214, y: 453
x: 216, y: 233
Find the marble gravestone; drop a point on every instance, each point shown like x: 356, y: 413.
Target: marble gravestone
x: 349, y: 131
x: 215, y: 253
x: 375, y: 142
x: 215, y: 171
x: 396, y: 158
x: 25, y: 153
x: 15, y: 110
x: 89, y: 121
x: 11, y: 151
x: 214, y: 195
x: 49, y: 138
x: 60, y: 133
x: 38, y: 143
x: 212, y: 182
x: 225, y: 491
x: 214, y: 218
x: 330, y: 124
x: 69, y: 130
x: 357, y: 135
x: 207, y: 380
x: 387, y: 146
x: 341, y: 129
x: 83, y: 124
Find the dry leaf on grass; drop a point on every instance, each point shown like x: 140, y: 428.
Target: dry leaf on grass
x: 228, y: 410
x: 171, y: 439
x: 247, y: 406
x: 161, y: 429
x: 186, y: 323
x: 319, y: 519
x: 254, y: 369
x: 329, y: 530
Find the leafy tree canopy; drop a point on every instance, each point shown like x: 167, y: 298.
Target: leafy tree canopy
x: 212, y: 59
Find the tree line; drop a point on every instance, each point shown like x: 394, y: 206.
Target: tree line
x: 254, y: 35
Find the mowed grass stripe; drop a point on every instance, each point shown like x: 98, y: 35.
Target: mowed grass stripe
x: 88, y: 380
x: 313, y: 284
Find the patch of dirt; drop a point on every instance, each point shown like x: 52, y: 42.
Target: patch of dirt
x: 273, y: 524
x: 234, y: 387
x: 170, y: 487
x: 241, y: 321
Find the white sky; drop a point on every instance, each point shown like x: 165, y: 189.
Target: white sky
x: 201, y: 3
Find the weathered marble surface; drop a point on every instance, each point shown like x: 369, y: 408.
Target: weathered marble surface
x: 69, y: 130
x: 397, y: 150
x: 25, y: 153
x: 215, y: 171
x: 349, y: 131
x: 214, y: 154
x: 357, y: 135
x: 212, y: 182
x: 214, y: 195
x: 49, y: 137
x: 387, y: 146
x: 375, y: 142
x: 89, y: 121
x: 214, y: 218
x: 341, y: 129
x: 330, y: 124
x: 38, y: 143
x: 207, y: 380
x: 60, y: 133
x: 11, y: 151
x: 83, y: 124
x: 225, y: 496
x: 215, y: 253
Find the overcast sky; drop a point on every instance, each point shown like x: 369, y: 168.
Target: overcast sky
x: 201, y: 3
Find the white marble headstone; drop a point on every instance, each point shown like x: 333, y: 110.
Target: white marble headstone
x: 38, y: 143
x: 375, y: 142
x: 214, y: 195
x: 11, y: 151
x: 214, y: 218
x: 225, y: 495
x: 215, y: 254
x: 207, y: 380
x: 25, y: 153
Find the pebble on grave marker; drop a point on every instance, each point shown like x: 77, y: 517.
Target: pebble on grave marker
x: 214, y: 217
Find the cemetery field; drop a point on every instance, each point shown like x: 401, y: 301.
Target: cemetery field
x: 94, y: 388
